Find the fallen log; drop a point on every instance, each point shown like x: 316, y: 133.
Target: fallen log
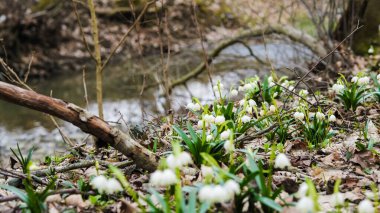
x: 79, y: 117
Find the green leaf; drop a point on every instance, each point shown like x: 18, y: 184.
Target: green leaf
x: 209, y: 159
x: 18, y: 192
x: 270, y: 203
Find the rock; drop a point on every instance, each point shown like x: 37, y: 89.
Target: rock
x: 54, y: 198
x: 75, y: 200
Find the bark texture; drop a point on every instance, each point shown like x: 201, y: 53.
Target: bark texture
x: 87, y: 122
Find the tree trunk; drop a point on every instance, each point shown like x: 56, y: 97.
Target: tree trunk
x: 84, y: 120
x: 367, y: 13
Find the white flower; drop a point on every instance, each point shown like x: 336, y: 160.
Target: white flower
x: 232, y: 187
x: 366, y: 206
x: 354, y: 79
x: 185, y: 158
x: 299, y: 115
x: 303, y: 93
x: 270, y: 79
x: 225, y: 134
x: 209, y: 137
x: 337, y: 199
x: 233, y: 93
x: 320, y: 115
x: 213, y: 194
x: 207, y: 171
x: 229, y: 146
x: 242, y: 102
x: 179, y: 161
x: 219, y: 119
x: 275, y: 94
x: 281, y: 161
x: 371, y: 50
x: 245, y: 119
x: 163, y: 178
x: 113, y: 186
x: 302, y: 190
x: 271, y: 84
x: 305, y: 205
x: 337, y: 88
x: 249, y: 110
x: 378, y: 77
x: 193, y: 107
x: 209, y: 118
x: 248, y: 87
x: 99, y: 183
x: 363, y: 81
x: 332, y: 118
x: 291, y: 88
x: 262, y: 112
x: 252, y: 103
x: 241, y: 89
x: 272, y: 108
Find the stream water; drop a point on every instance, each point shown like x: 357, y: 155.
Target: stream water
x: 123, y: 96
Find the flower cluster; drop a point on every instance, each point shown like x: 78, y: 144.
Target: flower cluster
x: 163, y: 178
x: 219, y: 193
x: 104, y: 185
x: 178, y: 161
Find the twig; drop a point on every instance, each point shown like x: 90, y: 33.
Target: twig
x: 62, y: 191
x: 322, y: 59
x: 82, y: 31
x: 79, y: 165
x: 29, y: 67
x: 85, y: 87
x: 123, y: 39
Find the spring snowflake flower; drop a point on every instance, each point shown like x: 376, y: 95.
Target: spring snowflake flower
x: 113, y: 186
x: 99, y: 183
x: 299, y: 115
x: 320, y: 115
x: 242, y: 102
x: 303, y: 93
x: 249, y: 110
x: 219, y: 119
x: 354, y: 79
x: 213, y: 194
x: 378, y: 77
x: 363, y: 81
x: 281, y: 161
x: 241, y: 89
x: 262, y: 112
x: 337, y: 88
x: 245, y: 119
x: 207, y: 171
x: 252, y: 103
x: 209, y: 118
x: 179, y: 161
x: 270, y: 79
x: 291, y: 88
x: 229, y: 146
x: 193, y: 107
x: 232, y: 187
x: 209, y: 137
x: 248, y: 87
x: 302, y: 190
x: 332, y: 118
x: 305, y: 205
x: 272, y: 108
x: 163, y: 178
x: 233, y: 93
x: 366, y: 206
x: 337, y: 199
x: 371, y: 50
x: 225, y: 134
